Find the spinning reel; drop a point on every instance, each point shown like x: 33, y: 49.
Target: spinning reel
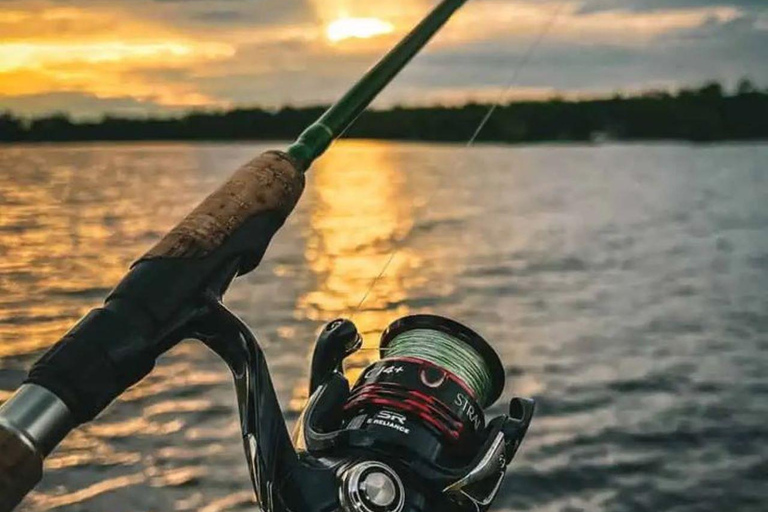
x: 409, y: 436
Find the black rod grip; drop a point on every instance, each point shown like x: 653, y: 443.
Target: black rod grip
x: 115, y: 346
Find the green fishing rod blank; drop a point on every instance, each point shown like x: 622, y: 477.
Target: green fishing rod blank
x: 336, y: 120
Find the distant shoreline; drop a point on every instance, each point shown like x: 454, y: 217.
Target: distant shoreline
x: 704, y: 114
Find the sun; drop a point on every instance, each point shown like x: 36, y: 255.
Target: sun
x: 358, y: 28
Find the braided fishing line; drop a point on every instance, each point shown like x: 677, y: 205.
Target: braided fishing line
x: 557, y: 11
x: 447, y: 352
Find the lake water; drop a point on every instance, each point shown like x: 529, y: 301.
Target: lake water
x: 625, y: 288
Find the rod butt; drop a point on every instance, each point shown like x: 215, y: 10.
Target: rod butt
x: 21, y: 467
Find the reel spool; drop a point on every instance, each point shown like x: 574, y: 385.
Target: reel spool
x: 436, y: 376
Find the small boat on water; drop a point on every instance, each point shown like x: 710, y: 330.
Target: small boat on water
x: 409, y: 435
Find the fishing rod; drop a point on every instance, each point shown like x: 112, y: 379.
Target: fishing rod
x: 409, y: 435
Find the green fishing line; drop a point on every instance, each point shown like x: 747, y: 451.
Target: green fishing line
x: 447, y: 352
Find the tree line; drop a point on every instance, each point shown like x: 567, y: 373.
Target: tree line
x: 702, y: 114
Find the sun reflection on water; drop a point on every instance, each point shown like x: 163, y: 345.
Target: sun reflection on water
x: 71, y: 223
x: 360, y: 215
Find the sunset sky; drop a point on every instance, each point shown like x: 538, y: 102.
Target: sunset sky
x: 89, y: 57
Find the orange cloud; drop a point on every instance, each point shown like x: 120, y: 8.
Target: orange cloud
x: 89, y: 51
x: 505, y: 19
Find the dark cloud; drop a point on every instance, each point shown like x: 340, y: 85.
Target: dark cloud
x: 218, y: 16
x: 82, y: 104
x: 723, y: 51
x: 250, y: 12
x: 220, y: 13
x: 653, y: 5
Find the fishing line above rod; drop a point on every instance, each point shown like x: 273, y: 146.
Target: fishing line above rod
x: 525, y: 58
